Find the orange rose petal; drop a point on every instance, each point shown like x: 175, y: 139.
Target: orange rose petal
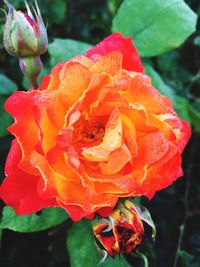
x: 111, y: 141
x: 51, y: 102
x: 53, y: 82
x: 108, y: 99
x: 84, y: 61
x: 172, y: 119
x: 56, y: 70
x: 130, y: 135
x: 47, y: 118
x: 117, y: 186
x: 185, y: 135
x: 181, y: 129
x: 74, y: 79
x: 158, y: 175
x: 117, y: 160
x: 110, y: 63
x: 59, y: 161
x: 80, y: 207
x: 140, y: 119
x: 48, y: 132
x: 152, y: 147
x: 161, y: 124
x: 144, y: 93
x: 71, y: 192
x: 57, y: 119
x: 88, y: 97
x: 46, y: 185
x: 75, y: 212
x: 54, y: 182
x: 164, y: 175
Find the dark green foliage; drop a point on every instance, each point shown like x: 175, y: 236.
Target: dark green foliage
x: 82, y: 250
x: 33, y: 222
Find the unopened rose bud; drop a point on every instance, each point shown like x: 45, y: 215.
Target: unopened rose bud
x: 122, y: 231
x: 24, y: 34
x: 25, y: 37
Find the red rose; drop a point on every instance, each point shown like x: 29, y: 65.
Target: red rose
x: 122, y: 232
x: 94, y: 131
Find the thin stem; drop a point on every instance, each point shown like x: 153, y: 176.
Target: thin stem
x: 186, y: 214
x: 143, y: 257
x: 31, y: 68
x: 193, y: 80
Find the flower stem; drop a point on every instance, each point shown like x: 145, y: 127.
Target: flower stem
x: 31, y: 68
x: 186, y: 213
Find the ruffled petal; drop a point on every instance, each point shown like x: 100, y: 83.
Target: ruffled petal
x: 117, y: 160
x: 19, y: 189
x: 111, y: 141
x: 116, y: 42
x: 110, y: 63
x: 21, y: 106
x: 74, y: 79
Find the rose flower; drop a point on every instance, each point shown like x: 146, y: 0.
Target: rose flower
x: 123, y: 231
x: 95, y: 130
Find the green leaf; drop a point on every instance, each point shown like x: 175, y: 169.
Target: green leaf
x: 118, y: 261
x: 174, y: 72
x: 188, y: 260
x: 65, y: 49
x: 136, y: 200
x: 197, y: 41
x: 156, y: 26
x: 187, y: 112
x: 181, y: 105
x: 82, y: 249
x: 55, y: 11
x: 182, y: 108
x: 6, y: 119
x: 1, y: 36
x: 168, y: 63
x: 80, y: 244
x: 159, y: 84
x: 17, y: 3
x: 7, y: 86
x: 195, y: 118
x: 32, y: 223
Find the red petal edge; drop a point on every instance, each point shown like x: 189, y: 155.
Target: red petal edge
x: 116, y: 42
x: 19, y: 189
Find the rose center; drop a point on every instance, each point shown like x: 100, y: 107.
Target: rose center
x: 89, y: 132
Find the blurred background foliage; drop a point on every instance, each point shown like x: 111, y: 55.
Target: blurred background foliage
x: 168, y: 39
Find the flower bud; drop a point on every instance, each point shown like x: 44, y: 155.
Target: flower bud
x: 122, y: 231
x: 24, y: 34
